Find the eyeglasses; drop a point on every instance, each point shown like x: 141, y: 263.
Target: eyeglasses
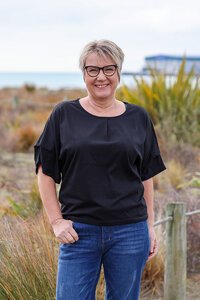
x: 94, y: 71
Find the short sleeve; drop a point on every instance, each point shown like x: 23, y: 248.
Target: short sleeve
x: 152, y: 162
x: 47, y: 148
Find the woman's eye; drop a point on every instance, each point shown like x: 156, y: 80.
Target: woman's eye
x: 109, y: 69
x: 93, y: 70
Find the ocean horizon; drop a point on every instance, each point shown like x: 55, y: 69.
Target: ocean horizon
x: 50, y: 80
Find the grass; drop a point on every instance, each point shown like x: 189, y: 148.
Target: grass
x: 26, y: 138
x: 176, y: 174
x: 28, y: 259
x: 28, y: 205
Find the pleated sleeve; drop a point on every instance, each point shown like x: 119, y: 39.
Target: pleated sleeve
x: 47, y: 148
x: 152, y: 162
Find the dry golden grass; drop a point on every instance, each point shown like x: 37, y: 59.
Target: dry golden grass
x: 153, y: 275
x: 28, y: 259
x: 27, y: 205
x: 26, y: 138
x: 176, y: 174
x: 100, y: 290
x: 40, y: 116
x: 22, y: 121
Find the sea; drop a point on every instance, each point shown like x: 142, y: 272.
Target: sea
x: 52, y: 81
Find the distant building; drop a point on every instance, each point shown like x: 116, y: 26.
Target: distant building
x: 170, y: 64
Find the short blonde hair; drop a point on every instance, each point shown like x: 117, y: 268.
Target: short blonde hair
x: 104, y: 48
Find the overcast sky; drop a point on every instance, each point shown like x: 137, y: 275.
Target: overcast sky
x: 46, y: 35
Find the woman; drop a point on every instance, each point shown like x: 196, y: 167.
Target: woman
x: 105, y: 153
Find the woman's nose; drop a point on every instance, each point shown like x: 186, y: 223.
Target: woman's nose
x: 101, y: 75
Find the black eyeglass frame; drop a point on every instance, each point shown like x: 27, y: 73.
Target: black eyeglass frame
x: 101, y: 68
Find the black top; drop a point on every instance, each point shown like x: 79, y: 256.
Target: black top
x: 100, y: 162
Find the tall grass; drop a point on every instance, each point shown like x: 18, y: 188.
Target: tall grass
x: 174, y: 105
x: 28, y: 259
x: 176, y: 174
x: 26, y: 138
x: 28, y: 205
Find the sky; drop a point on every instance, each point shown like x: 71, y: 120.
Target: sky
x: 48, y: 36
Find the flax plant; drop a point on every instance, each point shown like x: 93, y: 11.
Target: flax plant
x: 172, y: 102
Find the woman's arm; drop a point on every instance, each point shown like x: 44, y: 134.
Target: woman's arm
x: 62, y: 228
x: 149, y: 198
x: 47, y: 188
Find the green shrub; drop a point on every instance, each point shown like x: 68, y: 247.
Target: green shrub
x: 173, y: 105
x: 30, y: 88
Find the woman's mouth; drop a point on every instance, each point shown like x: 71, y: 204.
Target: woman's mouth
x: 100, y: 86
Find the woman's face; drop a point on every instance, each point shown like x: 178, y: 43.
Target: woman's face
x: 100, y: 87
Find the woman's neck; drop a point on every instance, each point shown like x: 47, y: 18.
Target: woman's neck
x: 111, y: 108
x: 99, y: 105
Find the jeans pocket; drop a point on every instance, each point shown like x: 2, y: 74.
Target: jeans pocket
x: 79, y: 226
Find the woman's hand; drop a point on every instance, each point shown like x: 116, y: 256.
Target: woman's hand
x: 64, y: 231
x: 153, y: 243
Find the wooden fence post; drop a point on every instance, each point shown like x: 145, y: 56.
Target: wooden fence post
x: 175, y: 264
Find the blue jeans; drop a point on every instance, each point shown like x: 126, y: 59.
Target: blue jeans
x: 121, y: 249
